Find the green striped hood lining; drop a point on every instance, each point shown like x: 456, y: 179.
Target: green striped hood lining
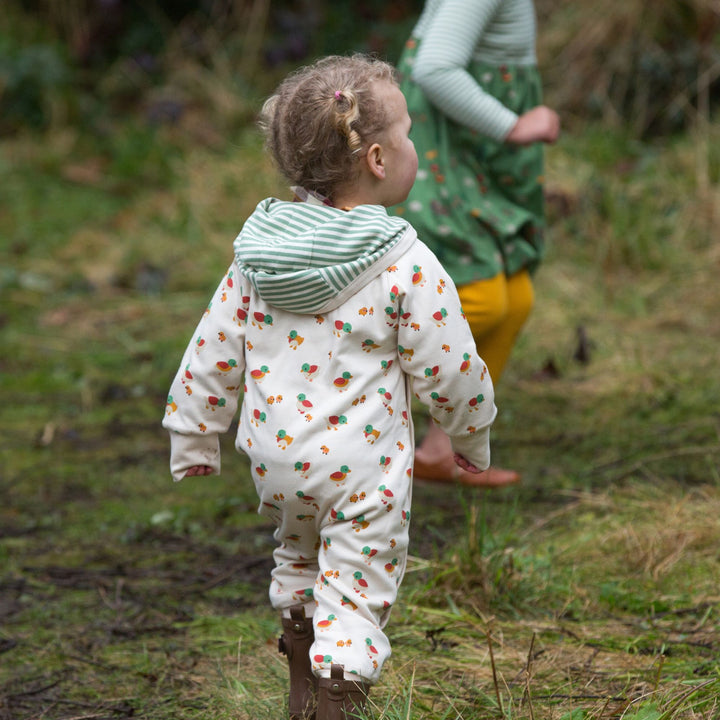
x: 308, y: 258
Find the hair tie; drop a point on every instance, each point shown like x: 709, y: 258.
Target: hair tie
x: 338, y: 94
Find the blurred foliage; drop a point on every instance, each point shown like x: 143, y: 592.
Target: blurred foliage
x: 653, y: 68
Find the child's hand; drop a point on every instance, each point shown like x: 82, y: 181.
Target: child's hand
x: 198, y: 470
x: 541, y: 124
x: 465, y: 465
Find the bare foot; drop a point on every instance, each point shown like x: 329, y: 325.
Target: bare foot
x: 444, y: 470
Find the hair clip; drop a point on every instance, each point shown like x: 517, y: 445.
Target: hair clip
x: 338, y: 94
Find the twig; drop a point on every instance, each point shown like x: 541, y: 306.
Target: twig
x: 494, y: 671
x: 528, y: 665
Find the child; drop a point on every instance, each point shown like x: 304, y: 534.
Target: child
x: 335, y: 314
x: 469, y: 73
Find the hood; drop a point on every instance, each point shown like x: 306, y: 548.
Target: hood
x: 310, y: 258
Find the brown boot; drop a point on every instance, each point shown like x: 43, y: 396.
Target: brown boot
x: 340, y: 699
x: 295, y: 643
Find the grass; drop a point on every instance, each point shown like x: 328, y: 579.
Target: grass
x: 589, y: 591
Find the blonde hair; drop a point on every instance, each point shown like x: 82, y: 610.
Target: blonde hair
x: 321, y: 118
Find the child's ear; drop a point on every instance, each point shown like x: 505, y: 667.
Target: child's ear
x: 375, y: 161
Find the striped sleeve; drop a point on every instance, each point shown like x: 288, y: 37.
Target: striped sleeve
x: 440, y: 67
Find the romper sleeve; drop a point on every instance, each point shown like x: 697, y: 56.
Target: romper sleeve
x: 441, y: 63
x: 203, y: 397
x: 437, y: 350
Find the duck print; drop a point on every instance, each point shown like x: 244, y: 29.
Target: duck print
x: 283, y: 439
x: 309, y: 371
x: 259, y: 374
x: 368, y: 345
x: 360, y: 584
x: 257, y: 417
x: 371, y: 434
x: 475, y: 402
x: 385, y: 365
x: 241, y: 316
x: 391, y: 316
x: 418, y: 279
x: 320, y: 660
x: 326, y: 623
x: 432, y: 373
x: 338, y: 477
x: 341, y: 383
x: 391, y: 566
x: 260, y: 320
x: 199, y: 344
x: 440, y: 401
x: 335, y: 421
x: 345, y: 601
x: 465, y: 365
x: 372, y: 651
x: 336, y: 515
x: 439, y: 317
x: 214, y: 402
x: 304, y: 405
x: 307, y: 499
x: 394, y: 294
x: 368, y: 554
x: 170, y: 405
x: 386, y: 398
x: 342, y: 327
x: 356, y: 497
x: 295, y: 339
x: 385, y: 463
x: 261, y: 470
x: 222, y: 337
x: 386, y: 495
x: 366, y: 311
x: 405, y: 317
x: 441, y: 286
x: 406, y: 353
x: 302, y: 468
x: 360, y: 523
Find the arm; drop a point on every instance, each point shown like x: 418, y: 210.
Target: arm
x: 204, y: 395
x: 441, y: 65
x: 440, y: 70
x: 437, y: 349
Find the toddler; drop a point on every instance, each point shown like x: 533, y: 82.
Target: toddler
x: 330, y: 318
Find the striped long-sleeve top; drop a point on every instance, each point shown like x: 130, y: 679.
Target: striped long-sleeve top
x: 454, y: 33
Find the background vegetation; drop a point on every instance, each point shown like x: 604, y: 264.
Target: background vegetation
x: 128, y: 162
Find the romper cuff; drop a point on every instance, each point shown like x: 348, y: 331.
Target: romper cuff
x: 186, y: 451
x: 475, y: 448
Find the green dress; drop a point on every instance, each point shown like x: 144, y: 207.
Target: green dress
x: 477, y: 202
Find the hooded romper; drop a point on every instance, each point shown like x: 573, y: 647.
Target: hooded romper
x: 326, y: 324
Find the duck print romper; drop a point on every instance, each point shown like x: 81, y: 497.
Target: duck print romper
x: 326, y: 369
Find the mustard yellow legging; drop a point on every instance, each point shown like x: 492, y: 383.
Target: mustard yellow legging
x: 496, y: 310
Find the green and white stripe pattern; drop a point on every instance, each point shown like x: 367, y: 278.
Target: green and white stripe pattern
x: 452, y: 34
x: 308, y: 258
